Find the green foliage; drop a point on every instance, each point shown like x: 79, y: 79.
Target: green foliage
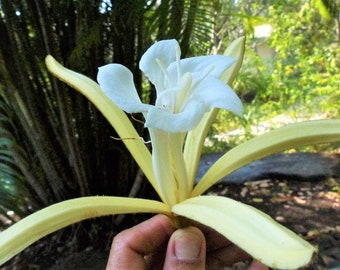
x: 301, y: 81
x: 305, y: 68
x: 13, y: 185
x: 329, y: 9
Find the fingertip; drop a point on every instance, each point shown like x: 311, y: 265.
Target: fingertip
x: 186, y: 250
x: 187, y: 244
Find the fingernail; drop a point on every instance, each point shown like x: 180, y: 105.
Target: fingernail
x: 188, y: 244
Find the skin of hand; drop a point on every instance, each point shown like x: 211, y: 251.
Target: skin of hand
x: 156, y: 244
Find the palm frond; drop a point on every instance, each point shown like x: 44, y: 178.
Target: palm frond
x: 13, y: 190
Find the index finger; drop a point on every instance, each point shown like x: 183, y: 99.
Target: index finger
x: 131, y: 246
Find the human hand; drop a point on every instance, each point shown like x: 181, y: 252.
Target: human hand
x: 156, y: 244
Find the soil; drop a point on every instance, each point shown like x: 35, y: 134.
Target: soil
x: 309, y: 206
x: 311, y: 209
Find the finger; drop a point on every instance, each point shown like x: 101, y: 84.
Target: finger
x: 225, y: 256
x: 186, y: 250
x: 214, y: 240
x: 131, y: 246
x: 256, y: 265
x: 220, y: 251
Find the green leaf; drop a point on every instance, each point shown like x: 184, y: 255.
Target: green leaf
x: 250, y: 229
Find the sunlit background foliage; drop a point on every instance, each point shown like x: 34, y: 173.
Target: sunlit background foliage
x: 290, y: 72
x: 55, y: 145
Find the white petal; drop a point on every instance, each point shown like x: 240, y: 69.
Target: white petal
x: 162, y: 52
x: 116, y: 81
x: 217, y: 63
x: 217, y: 94
x: 250, y: 229
x: 179, y: 122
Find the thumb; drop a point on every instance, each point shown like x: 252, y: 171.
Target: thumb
x: 186, y: 250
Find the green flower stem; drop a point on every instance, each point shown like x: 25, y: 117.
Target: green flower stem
x: 290, y: 136
x: 52, y: 218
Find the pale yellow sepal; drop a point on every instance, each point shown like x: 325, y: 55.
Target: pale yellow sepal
x: 250, y: 229
x: 236, y: 50
x: 294, y: 135
x: 169, y: 167
x: 195, y: 138
x: 52, y: 218
x: 117, y: 118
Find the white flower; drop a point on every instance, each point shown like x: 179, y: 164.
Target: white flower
x: 186, y: 88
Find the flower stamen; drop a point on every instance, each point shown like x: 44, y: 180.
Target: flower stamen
x: 165, y: 73
x: 132, y: 138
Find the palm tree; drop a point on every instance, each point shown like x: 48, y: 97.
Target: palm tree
x: 54, y: 144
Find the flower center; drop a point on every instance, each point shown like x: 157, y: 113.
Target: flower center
x: 183, y: 92
x: 175, y: 91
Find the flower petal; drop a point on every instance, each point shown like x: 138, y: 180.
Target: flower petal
x: 195, y: 138
x: 250, y: 229
x: 216, y: 94
x: 59, y: 215
x: 116, y: 117
x: 179, y: 122
x: 161, y: 53
x: 116, y: 81
x: 217, y: 64
x: 235, y: 50
x: 280, y: 139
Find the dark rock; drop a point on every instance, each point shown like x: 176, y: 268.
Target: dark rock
x: 299, y: 166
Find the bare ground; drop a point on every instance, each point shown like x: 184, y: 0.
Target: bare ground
x: 309, y: 207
